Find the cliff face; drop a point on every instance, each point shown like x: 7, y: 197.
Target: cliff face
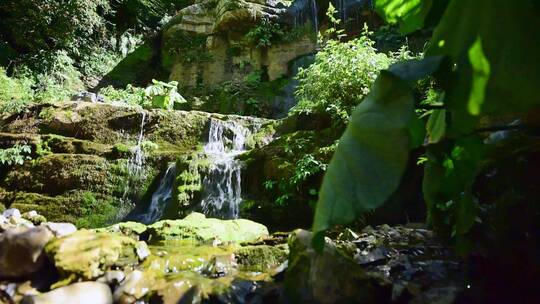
x: 225, y: 40
x: 90, y: 162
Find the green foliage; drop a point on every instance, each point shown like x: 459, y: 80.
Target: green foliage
x: 161, y: 95
x: 15, y: 93
x: 340, y: 77
x: 479, y: 75
x: 15, y: 155
x: 268, y: 32
x: 265, y: 33
x: 95, y: 212
x: 409, y: 15
x: 371, y: 156
x: 52, y: 25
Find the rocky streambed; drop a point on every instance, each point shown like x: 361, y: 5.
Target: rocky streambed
x: 199, y: 259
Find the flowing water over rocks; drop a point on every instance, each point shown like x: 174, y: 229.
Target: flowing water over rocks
x: 160, y: 199
x: 222, y: 183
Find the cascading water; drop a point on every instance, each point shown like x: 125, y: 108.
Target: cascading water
x: 160, y: 199
x: 136, y: 161
x: 222, y: 183
x: 286, y: 98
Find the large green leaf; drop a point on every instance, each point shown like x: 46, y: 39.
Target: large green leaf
x: 436, y: 126
x: 495, y: 44
x: 409, y: 14
x: 371, y: 157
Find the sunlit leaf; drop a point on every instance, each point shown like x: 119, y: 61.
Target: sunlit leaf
x: 371, y: 157
x: 409, y: 14
x: 436, y: 125
x: 494, y: 43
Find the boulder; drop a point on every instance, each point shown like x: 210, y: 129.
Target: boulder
x: 78, y: 293
x: 199, y: 229
x: 21, y: 251
x: 60, y: 229
x: 12, y: 212
x: 330, y: 276
x: 86, y: 254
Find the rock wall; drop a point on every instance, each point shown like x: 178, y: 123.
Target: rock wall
x: 225, y: 40
x: 81, y: 166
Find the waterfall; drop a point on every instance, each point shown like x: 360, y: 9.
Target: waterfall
x: 315, y: 15
x: 159, y: 200
x: 222, y: 182
x: 136, y: 161
x: 286, y: 99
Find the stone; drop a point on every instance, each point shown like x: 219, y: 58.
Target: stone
x: 308, y: 280
x: 86, y: 254
x: 130, y: 288
x: 34, y: 217
x: 78, y: 293
x: 60, y: 229
x: 131, y: 229
x: 21, y: 251
x: 199, y: 229
x: 9, y: 213
x: 113, y: 277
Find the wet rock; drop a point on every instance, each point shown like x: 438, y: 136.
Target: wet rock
x: 132, y: 288
x: 330, y: 276
x: 220, y: 265
x: 80, y: 293
x: 86, y: 254
x: 113, y: 277
x: 198, y: 229
x: 60, y: 229
x: 21, y: 251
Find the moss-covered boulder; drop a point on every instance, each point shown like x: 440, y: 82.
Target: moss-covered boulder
x: 199, y: 229
x: 261, y: 258
x: 87, y: 255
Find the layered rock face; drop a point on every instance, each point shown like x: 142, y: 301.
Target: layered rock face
x: 90, y: 160
x: 225, y: 40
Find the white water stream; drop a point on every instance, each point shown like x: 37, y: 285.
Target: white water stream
x: 222, y: 183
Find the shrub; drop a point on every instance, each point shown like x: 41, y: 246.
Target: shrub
x: 15, y: 93
x: 340, y: 77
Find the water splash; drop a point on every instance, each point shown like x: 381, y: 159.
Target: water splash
x: 222, y: 183
x: 160, y: 198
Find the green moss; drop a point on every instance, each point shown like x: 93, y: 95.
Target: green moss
x: 197, y: 228
x: 87, y: 254
x: 261, y: 258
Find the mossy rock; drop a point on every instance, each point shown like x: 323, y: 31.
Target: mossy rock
x: 261, y: 258
x: 130, y: 229
x: 66, y: 145
x: 58, y: 173
x: 87, y: 255
x: 83, y: 208
x: 199, y: 229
